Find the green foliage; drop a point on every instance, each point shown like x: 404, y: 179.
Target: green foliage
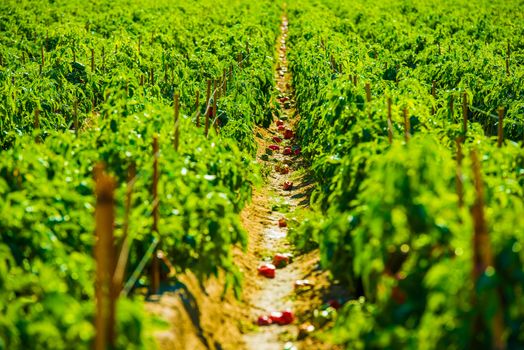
x: 393, y: 231
x: 46, y: 188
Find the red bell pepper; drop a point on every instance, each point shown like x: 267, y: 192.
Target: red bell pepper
x: 282, y: 318
x: 267, y: 270
x: 264, y: 321
x: 281, y: 260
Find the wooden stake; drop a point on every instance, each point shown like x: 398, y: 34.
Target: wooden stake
x: 458, y: 174
x: 407, y: 126
x: 247, y: 52
x: 152, y: 76
x: 36, y: 124
x: 37, y: 119
x: 155, y: 265
x: 75, y: 116
x: 215, y: 103
x: 120, y: 268
x: 93, y: 61
x: 483, y: 255
x: 208, y: 93
x: 433, y: 93
x: 239, y: 60
x: 177, y: 126
x: 501, y: 127
x: 464, y: 113
x: 141, y: 79
x: 368, y: 92
x: 390, y: 123
x: 208, y: 107
x: 197, y: 108
x: 42, y: 53
x: 508, y: 54
x: 105, y: 261
x: 451, y: 106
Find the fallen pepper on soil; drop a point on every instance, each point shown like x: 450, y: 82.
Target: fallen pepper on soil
x: 282, y: 222
x: 282, y: 318
x: 281, y: 260
x: 288, y: 186
x: 264, y: 321
x: 267, y: 270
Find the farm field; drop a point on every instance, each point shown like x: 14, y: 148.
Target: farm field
x: 263, y: 174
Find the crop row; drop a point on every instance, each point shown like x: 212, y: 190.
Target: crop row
x: 65, y: 111
x: 405, y: 195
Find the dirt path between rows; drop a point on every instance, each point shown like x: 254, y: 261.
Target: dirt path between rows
x: 196, y: 315
x: 271, y: 204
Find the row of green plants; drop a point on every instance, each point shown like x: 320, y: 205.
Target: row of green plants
x: 394, y: 220
x: 46, y: 174
x: 54, y: 56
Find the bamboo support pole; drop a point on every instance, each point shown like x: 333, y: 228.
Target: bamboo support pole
x: 177, y: 121
x: 407, y: 126
x: 390, y: 123
x: 500, y: 133
x: 155, y: 265
x: 105, y: 261
x: 197, y: 108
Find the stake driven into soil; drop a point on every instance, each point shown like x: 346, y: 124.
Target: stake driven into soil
x: 275, y: 294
